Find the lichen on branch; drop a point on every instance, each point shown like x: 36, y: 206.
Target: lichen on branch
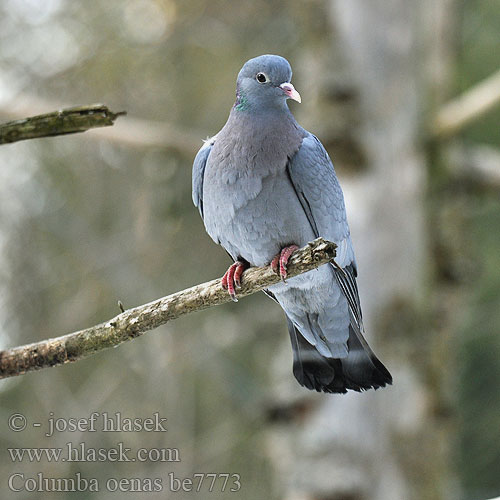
x: 135, y: 322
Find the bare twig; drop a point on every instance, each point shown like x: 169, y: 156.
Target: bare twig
x: 135, y: 322
x: 133, y: 132
x: 64, y: 121
x: 469, y: 106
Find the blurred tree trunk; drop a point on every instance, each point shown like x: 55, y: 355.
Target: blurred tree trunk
x: 387, y: 69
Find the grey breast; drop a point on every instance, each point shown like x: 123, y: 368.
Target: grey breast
x: 250, y: 206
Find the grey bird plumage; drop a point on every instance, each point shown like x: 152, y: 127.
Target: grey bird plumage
x: 264, y: 183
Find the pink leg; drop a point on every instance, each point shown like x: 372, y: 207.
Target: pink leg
x: 232, y: 278
x: 279, y: 263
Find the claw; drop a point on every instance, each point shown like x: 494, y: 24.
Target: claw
x: 280, y: 262
x: 232, y: 279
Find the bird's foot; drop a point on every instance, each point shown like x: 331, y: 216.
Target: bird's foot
x: 232, y: 278
x: 279, y: 263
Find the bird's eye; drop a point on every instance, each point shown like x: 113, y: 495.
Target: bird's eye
x: 261, y: 78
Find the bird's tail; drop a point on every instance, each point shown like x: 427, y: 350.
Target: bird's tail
x: 359, y: 370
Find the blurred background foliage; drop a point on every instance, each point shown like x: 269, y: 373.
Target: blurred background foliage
x: 85, y: 222
x: 479, y: 329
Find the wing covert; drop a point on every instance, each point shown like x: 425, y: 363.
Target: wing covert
x: 313, y: 177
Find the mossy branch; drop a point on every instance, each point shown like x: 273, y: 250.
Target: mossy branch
x: 135, y: 322
x: 62, y: 122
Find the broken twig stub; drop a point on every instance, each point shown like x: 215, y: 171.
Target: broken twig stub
x: 62, y: 122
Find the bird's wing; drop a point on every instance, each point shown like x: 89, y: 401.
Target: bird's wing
x: 199, y: 164
x: 313, y: 178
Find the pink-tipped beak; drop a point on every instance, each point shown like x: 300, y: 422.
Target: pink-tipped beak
x: 290, y: 91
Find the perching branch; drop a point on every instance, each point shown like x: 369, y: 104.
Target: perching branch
x: 64, y: 121
x: 135, y: 322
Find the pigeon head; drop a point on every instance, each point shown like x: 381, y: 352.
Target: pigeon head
x: 264, y: 83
